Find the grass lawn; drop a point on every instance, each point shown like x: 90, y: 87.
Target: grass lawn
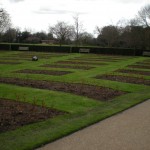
x: 81, y: 110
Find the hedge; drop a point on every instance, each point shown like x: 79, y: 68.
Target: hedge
x: 72, y: 49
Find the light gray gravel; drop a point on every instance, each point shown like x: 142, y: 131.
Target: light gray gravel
x: 129, y: 130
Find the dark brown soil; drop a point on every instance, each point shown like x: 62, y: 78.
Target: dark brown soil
x: 143, y: 63
x: 14, y: 114
x: 147, y: 60
x: 135, y: 80
x: 39, y: 55
x: 147, y: 73
x: 104, y: 58
x: 100, y: 58
x: 94, y: 60
x: 95, y: 92
x: 114, y: 58
x: 10, y: 63
x: 79, y: 62
x: 139, y: 66
x: 69, y: 66
x: 13, y: 58
x: 46, y: 72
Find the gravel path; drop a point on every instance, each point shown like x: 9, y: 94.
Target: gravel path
x: 129, y: 130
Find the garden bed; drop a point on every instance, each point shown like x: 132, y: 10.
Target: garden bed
x: 93, y: 60
x: 147, y: 73
x: 45, y: 72
x: 42, y: 56
x: 9, y: 63
x: 143, y: 63
x: 95, y: 92
x: 13, y: 58
x: 80, y: 62
x: 126, y: 79
x: 14, y: 114
x: 147, y: 61
x: 139, y: 66
x: 68, y: 66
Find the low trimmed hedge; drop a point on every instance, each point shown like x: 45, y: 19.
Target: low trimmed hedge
x: 72, y: 49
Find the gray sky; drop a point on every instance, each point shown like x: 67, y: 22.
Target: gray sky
x: 37, y: 15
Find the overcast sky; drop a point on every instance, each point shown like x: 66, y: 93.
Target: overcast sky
x: 37, y: 15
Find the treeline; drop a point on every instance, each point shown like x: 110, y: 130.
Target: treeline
x: 13, y: 35
x: 134, y: 33
x: 137, y: 37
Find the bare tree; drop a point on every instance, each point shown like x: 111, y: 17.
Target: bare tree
x: 62, y: 31
x: 144, y: 16
x: 5, y: 22
x: 97, y: 30
x: 78, y: 28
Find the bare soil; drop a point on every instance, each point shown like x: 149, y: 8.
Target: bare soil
x: 147, y: 73
x: 68, y: 66
x: 14, y: 58
x: 39, y: 55
x: 103, y: 57
x: 94, y: 60
x: 79, y: 62
x: 95, y: 92
x: 143, y: 63
x: 14, y: 114
x: 139, y: 66
x: 147, y: 60
x: 46, y: 72
x: 135, y: 80
x: 10, y: 63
